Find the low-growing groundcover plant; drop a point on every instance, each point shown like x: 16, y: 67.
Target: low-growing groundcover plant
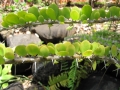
x: 85, y: 54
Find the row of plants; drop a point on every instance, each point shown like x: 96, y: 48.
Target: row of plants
x: 53, y: 14
x: 88, y: 50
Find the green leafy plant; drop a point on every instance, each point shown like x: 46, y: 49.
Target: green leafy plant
x: 5, y: 75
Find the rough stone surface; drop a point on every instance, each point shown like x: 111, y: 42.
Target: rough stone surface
x: 100, y: 82
x: 22, y: 39
x: 44, y: 70
x: 15, y: 86
x: 55, y: 33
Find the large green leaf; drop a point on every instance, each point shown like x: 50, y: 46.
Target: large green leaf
x: 12, y: 18
x: 21, y: 14
x: 114, y: 11
x: 85, y: 45
x: 102, y: 12
x: 9, y: 54
x: 60, y: 47
x: 87, y: 10
x: 95, y: 45
x: 51, y: 49
x: 51, y: 13
x: 96, y: 15
x: 100, y: 51
x: 21, y: 50
x: 32, y: 49
x: 43, y: 13
x: 74, y: 15
x: 55, y: 8
x: 107, y: 50
x: 71, y: 50
x: 34, y: 10
x: 66, y: 12
x: 77, y: 46
x: 44, y: 51
x: 30, y: 17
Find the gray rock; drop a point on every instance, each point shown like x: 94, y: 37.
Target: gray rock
x: 22, y: 39
x: 100, y: 82
x: 55, y: 33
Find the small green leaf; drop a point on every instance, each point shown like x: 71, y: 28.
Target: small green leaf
x: 107, y: 50
x: 87, y: 53
x: 62, y: 53
x: 21, y: 14
x: 30, y: 17
x: 100, y: 51
x: 44, y: 51
x: 2, y: 61
x: 95, y: 45
x: 43, y: 13
x: 9, y: 54
x: 118, y: 56
x: 34, y: 11
x: 94, y: 65
x: 21, y: 50
x: 61, y: 18
x: 114, y: 50
x: 5, y: 85
x: 55, y: 8
x: 51, y: 49
x: 77, y: 46
x: 60, y: 47
x: 102, y: 12
x: 108, y: 14
x: 83, y: 17
x: 85, y: 45
x: 96, y: 15
x: 41, y: 19
x: 71, y: 50
x: 69, y: 28
x: 66, y: 12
